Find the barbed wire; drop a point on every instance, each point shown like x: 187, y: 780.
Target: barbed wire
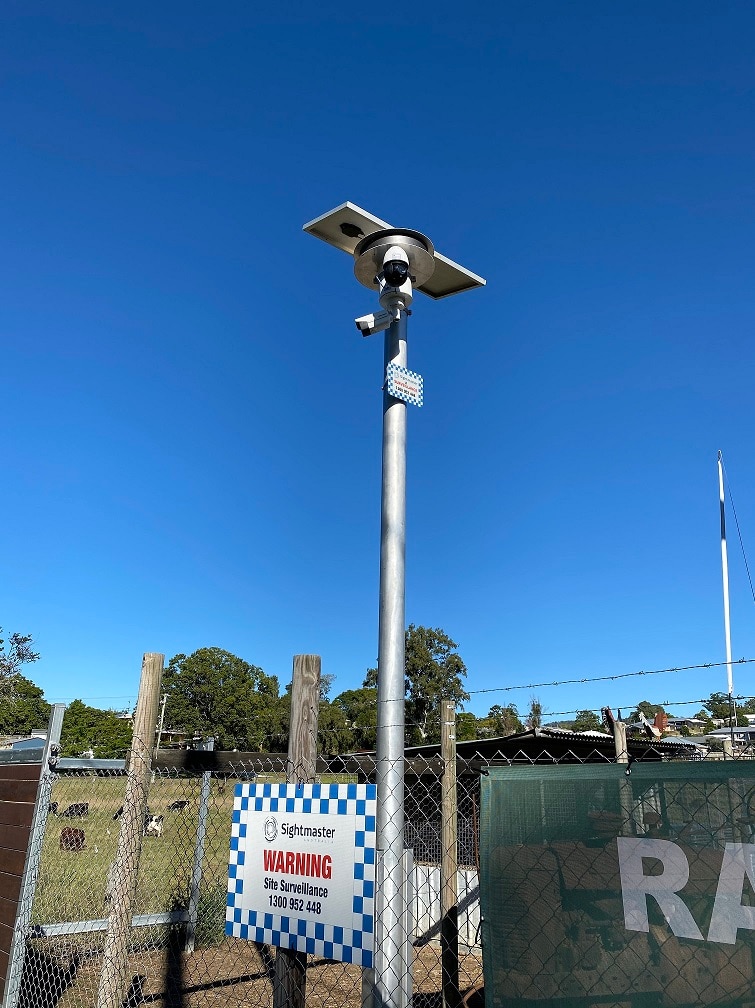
x: 608, y: 678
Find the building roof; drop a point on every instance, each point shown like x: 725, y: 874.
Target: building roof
x: 29, y: 743
x: 548, y: 745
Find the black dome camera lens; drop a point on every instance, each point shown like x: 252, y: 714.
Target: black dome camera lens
x: 395, y: 272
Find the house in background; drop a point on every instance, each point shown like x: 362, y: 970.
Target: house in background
x: 695, y: 725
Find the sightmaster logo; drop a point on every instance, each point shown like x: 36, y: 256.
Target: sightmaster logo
x: 271, y: 829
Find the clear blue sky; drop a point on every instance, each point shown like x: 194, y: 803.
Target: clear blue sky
x: 191, y: 449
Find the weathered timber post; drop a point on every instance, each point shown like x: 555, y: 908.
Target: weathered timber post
x: 114, y: 979
x: 291, y: 966
x: 625, y: 788
x: 449, y: 895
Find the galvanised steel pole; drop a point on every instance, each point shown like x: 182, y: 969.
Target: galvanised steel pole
x: 391, y: 923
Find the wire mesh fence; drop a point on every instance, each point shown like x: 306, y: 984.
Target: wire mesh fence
x: 178, y: 952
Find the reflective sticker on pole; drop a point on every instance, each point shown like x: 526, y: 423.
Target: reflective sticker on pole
x: 404, y: 384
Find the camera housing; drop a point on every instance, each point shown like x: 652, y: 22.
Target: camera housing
x: 394, y: 282
x: 368, y: 325
x: 394, y: 260
x: 395, y: 266
x: 378, y: 251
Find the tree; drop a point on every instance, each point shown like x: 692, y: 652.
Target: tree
x: 534, y: 717
x: 503, y: 721
x: 359, y: 708
x: 466, y: 726
x: 215, y: 693
x: 708, y: 725
x: 647, y: 709
x: 102, y: 732
x: 14, y: 652
x: 587, y: 720
x: 23, y: 709
x: 334, y: 734
x: 434, y: 672
x: 720, y: 706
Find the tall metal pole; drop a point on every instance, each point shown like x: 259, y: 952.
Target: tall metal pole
x: 391, y: 938
x: 725, y: 576
x: 396, y: 261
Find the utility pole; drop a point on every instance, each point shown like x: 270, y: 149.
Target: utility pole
x: 394, y: 262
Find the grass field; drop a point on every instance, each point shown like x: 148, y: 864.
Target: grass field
x: 72, y: 884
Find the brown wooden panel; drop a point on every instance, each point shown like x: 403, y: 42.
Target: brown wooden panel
x: 20, y: 771
x: 4, y: 960
x: 18, y: 790
x: 14, y: 837
x: 10, y: 886
x: 13, y: 813
x: 12, y: 861
x: 6, y: 938
x: 8, y: 911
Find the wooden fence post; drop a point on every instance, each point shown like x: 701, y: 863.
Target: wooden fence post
x: 114, y: 978
x: 449, y: 896
x: 291, y: 966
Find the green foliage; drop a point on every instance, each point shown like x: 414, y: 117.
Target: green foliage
x: 466, y: 727
x: 15, y: 652
x: 359, y: 709
x: 708, y: 725
x: 587, y: 720
x: 647, y: 709
x: 334, y: 735
x: 213, y: 692
x: 434, y: 672
x: 534, y: 717
x: 23, y: 708
x: 720, y: 706
x: 502, y: 721
x: 84, y: 728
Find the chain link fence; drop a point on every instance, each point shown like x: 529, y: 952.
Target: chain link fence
x: 178, y: 951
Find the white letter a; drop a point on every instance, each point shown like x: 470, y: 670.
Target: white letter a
x: 728, y: 912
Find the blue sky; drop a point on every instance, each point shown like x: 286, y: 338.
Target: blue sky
x: 192, y: 423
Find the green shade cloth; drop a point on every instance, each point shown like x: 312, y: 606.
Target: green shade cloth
x: 600, y: 886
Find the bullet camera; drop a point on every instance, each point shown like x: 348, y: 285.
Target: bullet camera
x: 368, y: 325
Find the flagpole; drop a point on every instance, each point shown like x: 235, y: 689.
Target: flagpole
x: 725, y: 577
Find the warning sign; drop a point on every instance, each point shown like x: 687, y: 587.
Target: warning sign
x: 404, y: 384
x: 302, y: 868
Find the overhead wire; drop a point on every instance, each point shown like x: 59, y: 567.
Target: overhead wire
x: 608, y: 678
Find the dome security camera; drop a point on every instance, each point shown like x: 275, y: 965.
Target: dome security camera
x: 395, y: 266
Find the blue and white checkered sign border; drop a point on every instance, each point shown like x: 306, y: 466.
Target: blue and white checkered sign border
x: 352, y: 945
x: 396, y: 369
